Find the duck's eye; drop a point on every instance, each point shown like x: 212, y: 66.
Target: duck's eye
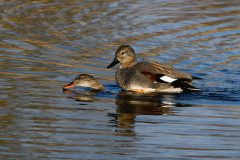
x: 122, y: 53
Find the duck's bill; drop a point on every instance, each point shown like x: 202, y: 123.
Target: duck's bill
x: 70, y: 85
x: 114, y: 62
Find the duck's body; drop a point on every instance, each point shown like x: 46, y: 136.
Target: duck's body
x: 148, y: 76
x: 133, y: 79
x: 85, y: 80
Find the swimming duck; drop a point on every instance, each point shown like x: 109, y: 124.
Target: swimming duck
x: 148, y: 76
x: 85, y: 80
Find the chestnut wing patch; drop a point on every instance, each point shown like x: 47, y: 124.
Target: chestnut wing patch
x: 154, y: 77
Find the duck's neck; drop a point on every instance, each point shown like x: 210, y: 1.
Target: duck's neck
x: 126, y: 65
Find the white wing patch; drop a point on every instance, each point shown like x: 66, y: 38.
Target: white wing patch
x: 167, y: 79
x: 172, y: 90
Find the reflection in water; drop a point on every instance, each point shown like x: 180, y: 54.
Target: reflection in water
x: 82, y: 96
x: 131, y: 106
x: 144, y: 105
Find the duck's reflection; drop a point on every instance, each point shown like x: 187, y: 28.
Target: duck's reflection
x: 144, y: 105
x: 82, y: 96
x: 130, y: 106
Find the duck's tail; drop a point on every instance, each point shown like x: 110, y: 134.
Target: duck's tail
x: 184, y: 85
x: 196, y: 78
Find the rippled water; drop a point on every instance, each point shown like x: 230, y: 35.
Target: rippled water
x: 45, y: 44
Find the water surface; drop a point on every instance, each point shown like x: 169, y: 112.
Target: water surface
x: 45, y: 44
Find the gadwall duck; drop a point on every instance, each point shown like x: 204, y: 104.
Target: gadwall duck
x: 148, y: 76
x: 85, y: 80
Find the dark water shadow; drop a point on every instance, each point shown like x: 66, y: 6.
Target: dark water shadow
x: 131, y: 105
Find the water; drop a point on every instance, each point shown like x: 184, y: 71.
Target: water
x: 45, y: 44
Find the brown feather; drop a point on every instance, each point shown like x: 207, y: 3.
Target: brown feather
x: 154, y: 70
x: 151, y: 76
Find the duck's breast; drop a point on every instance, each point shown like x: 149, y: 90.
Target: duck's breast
x: 123, y: 75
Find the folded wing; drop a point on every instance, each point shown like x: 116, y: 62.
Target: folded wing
x: 165, y: 74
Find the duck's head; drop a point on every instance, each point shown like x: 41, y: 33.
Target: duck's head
x: 84, y: 80
x: 125, y: 55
